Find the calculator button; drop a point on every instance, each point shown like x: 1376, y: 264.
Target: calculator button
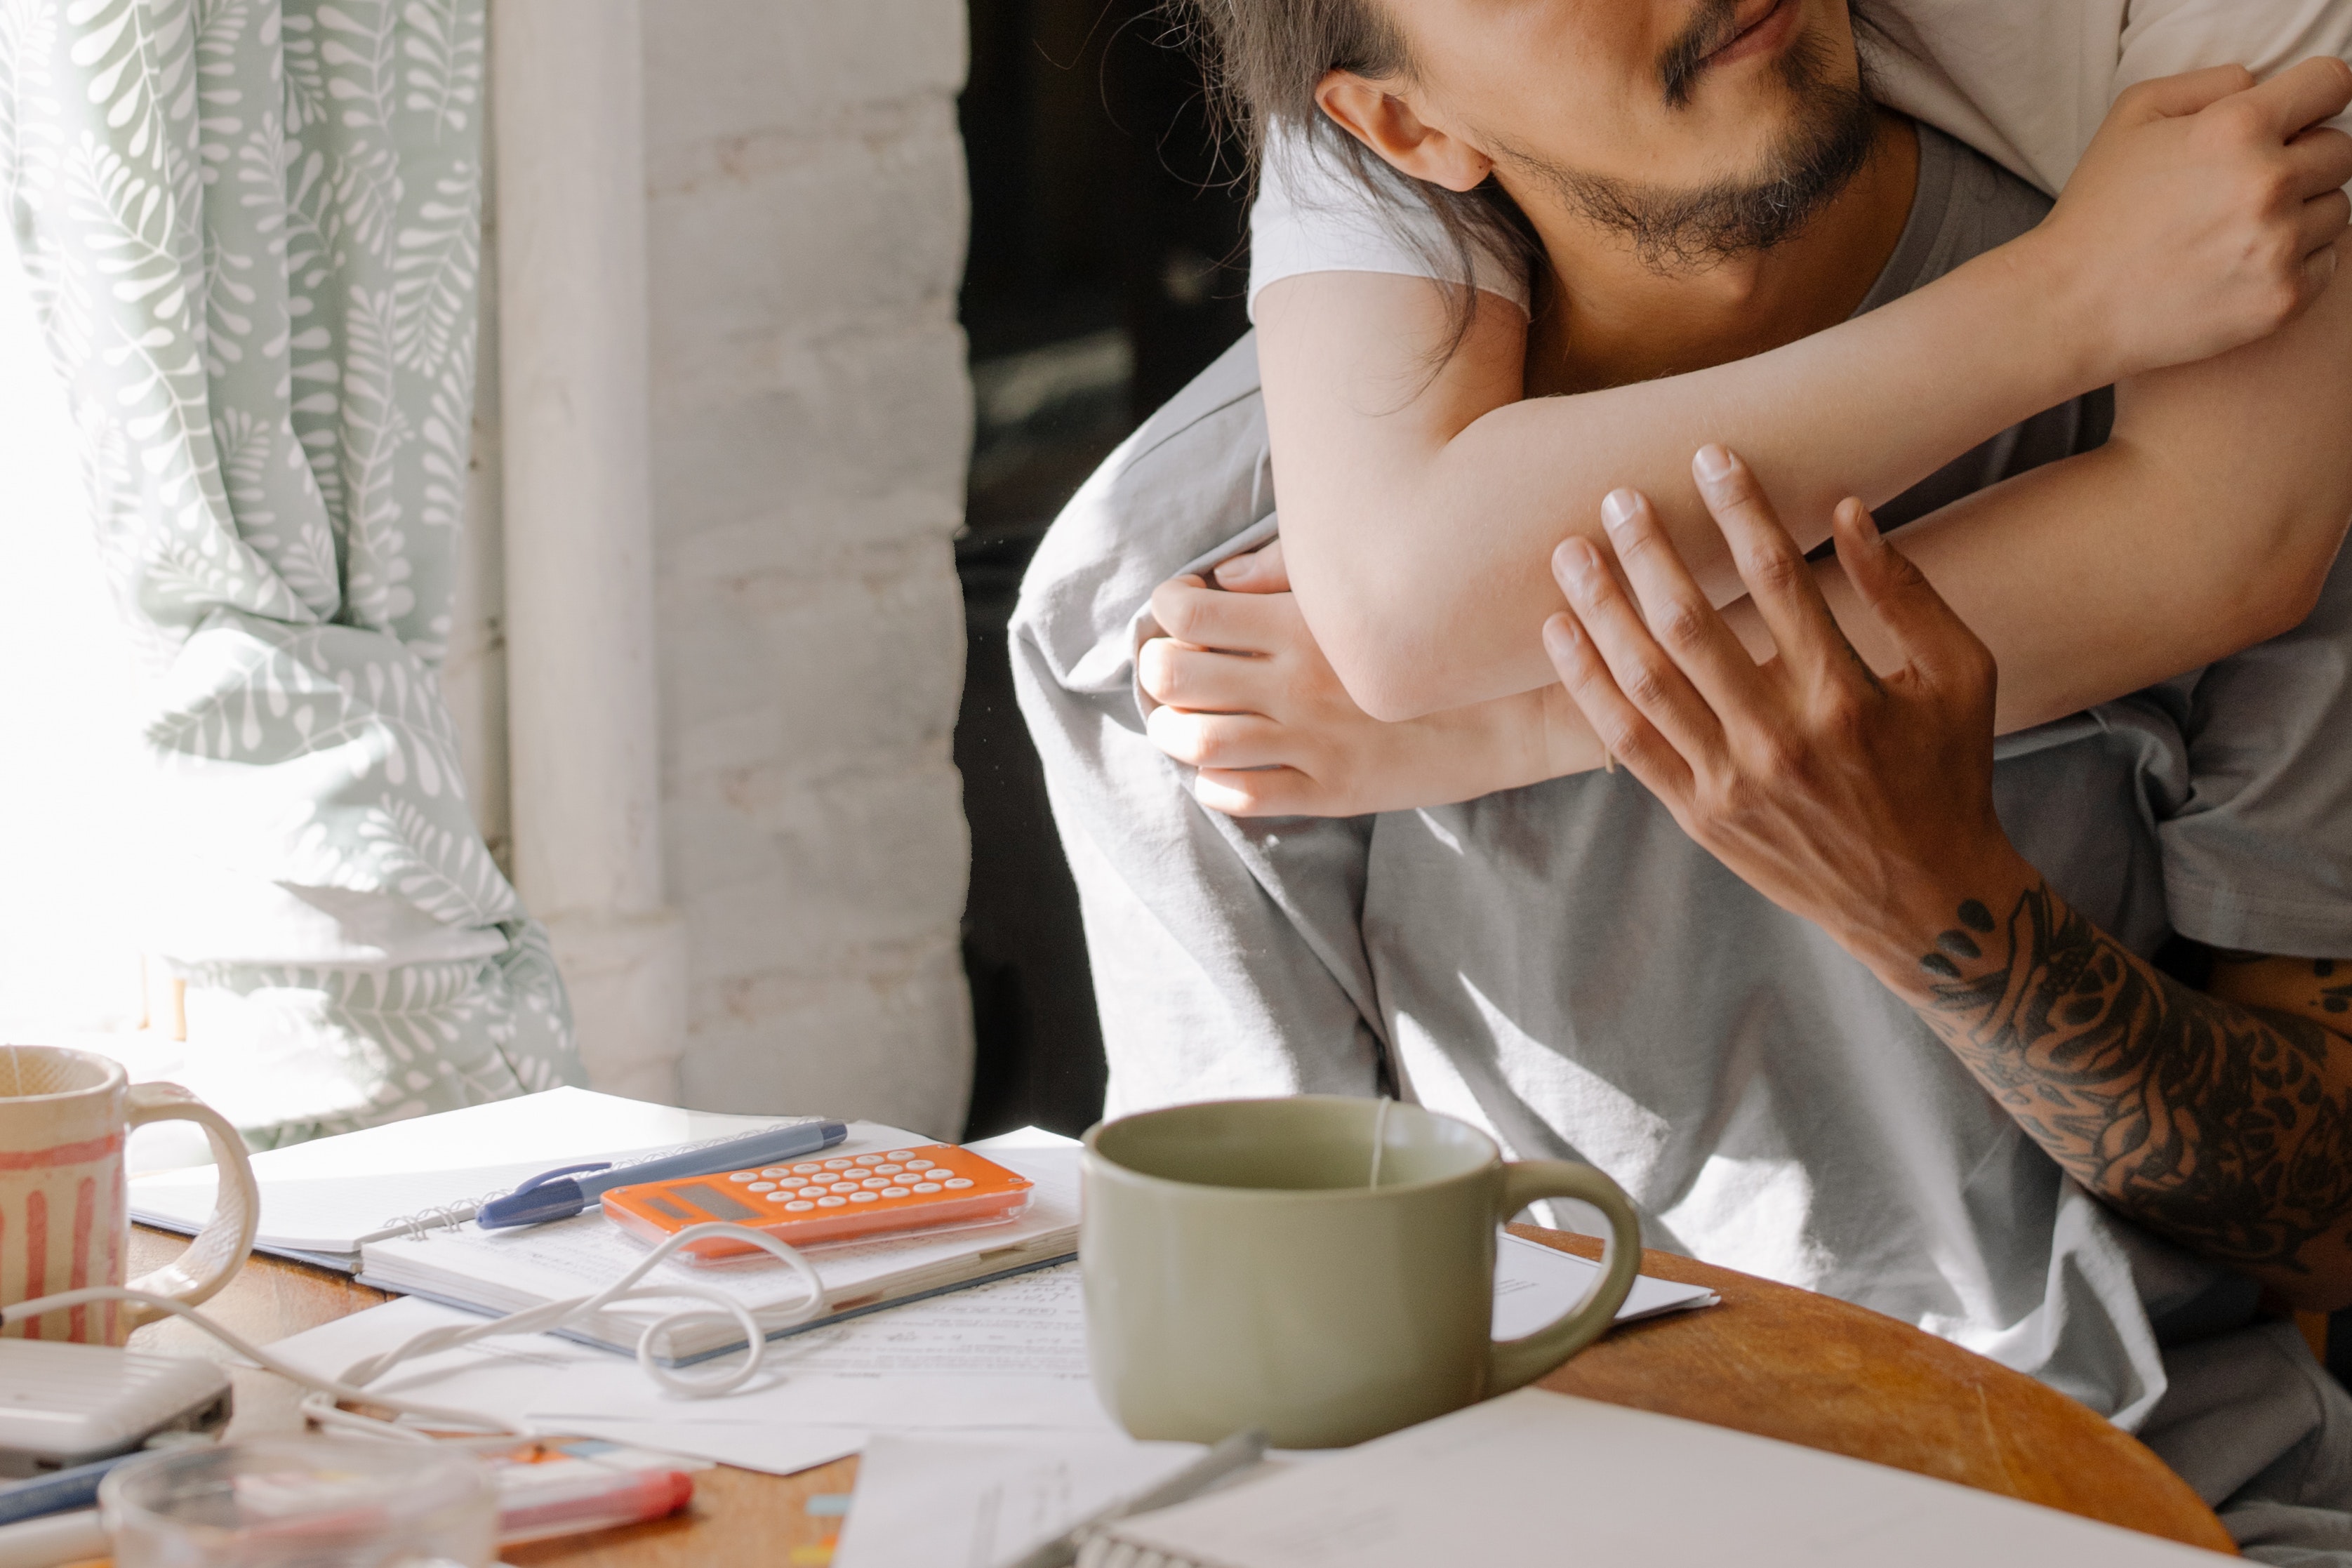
x: 888, y: 1170
x: 894, y: 1192
x: 763, y: 1186
x: 902, y: 1153
x: 831, y: 1203
x: 918, y: 1165
x: 779, y: 1197
x: 793, y: 1182
x: 798, y: 1205
x: 959, y: 1182
x: 743, y: 1175
x: 927, y: 1186
x: 838, y: 1164
x: 844, y: 1187
x: 864, y: 1199
x: 772, y: 1172
x: 868, y: 1160
x: 806, y: 1169
x: 875, y: 1182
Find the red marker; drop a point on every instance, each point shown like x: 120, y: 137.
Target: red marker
x: 583, y: 1497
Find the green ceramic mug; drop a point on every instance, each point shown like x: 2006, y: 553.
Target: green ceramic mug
x: 1250, y: 1263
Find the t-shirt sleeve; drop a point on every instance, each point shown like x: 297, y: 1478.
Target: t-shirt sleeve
x: 1313, y: 214
x: 2028, y: 82
x: 2166, y: 36
x: 2259, y: 855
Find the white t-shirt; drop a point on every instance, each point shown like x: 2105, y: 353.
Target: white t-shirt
x: 2026, y: 82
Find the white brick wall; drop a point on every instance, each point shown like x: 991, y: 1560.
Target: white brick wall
x: 811, y: 424
x: 811, y: 416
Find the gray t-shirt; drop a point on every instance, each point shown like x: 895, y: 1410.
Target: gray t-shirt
x: 1562, y: 965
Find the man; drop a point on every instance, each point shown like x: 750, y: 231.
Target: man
x: 1566, y: 966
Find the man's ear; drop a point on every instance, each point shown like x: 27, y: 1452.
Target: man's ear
x: 1388, y: 125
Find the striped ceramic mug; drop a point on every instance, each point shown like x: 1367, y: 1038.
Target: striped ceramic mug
x: 65, y: 1117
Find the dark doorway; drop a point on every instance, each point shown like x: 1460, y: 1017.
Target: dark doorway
x: 1107, y: 269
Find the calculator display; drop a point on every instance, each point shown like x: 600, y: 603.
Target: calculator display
x: 713, y: 1202
x: 834, y: 1197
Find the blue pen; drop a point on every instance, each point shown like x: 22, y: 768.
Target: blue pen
x: 562, y: 1193
x: 59, y: 1489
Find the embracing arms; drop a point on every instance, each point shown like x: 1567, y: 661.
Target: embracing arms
x: 2226, y: 483
x: 1418, y: 507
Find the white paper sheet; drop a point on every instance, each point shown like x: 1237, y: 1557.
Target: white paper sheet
x: 1535, y: 1283
x: 957, y: 1503
x: 323, y: 1195
x: 1006, y: 1355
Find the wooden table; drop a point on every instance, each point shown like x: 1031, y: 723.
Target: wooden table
x: 1771, y: 1360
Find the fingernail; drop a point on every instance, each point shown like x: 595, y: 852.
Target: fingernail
x: 1617, y: 508
x: 1713, y: 462
x: 1575, y: 559
x: 1560, y: 635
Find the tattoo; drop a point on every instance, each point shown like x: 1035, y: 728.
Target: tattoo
x: 1863, y: 664
x: 2223, y: 1126
x: 2332, y: 998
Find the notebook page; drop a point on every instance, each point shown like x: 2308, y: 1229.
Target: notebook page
x: 323, y: 1195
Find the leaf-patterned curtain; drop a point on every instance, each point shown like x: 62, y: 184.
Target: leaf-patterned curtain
x: 252, y: 228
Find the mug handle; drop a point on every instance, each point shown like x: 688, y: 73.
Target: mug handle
x: 1512, y: 1362
x: 219, y: 1249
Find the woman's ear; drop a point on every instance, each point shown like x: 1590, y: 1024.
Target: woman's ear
x: 1389, y: 126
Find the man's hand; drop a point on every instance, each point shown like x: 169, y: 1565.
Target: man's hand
x: 1248, y: 700
x: 1842, y: 795
x: 1864, y: 803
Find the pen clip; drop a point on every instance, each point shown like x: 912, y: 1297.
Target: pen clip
x: 546, y: 1176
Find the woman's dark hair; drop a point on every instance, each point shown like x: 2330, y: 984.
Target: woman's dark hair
x: 1263, y: 59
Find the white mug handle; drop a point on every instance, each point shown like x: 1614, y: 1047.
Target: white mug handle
x: 219, y: 1249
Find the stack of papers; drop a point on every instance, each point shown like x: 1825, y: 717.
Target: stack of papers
x: 999, y: 1359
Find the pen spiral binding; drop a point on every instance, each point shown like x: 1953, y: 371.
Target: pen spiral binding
x: 418, y: 1225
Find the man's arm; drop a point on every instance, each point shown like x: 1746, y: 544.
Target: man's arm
x: 2224, y: 1123
x: 1864, y: 802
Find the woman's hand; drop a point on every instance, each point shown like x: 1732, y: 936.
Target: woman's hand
x: 1248, y: 700
x: 2203, y: 215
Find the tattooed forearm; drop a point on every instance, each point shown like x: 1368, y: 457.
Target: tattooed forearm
x: 2228, y: 1127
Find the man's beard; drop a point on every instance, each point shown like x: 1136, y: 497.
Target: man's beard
x: 1677, y: 231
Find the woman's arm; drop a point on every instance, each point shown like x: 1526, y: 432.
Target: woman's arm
x: 2218, y: 501
x: 2208, y: 520
x: 1420, y: 507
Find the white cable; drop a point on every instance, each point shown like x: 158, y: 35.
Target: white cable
x: 327, y: 1393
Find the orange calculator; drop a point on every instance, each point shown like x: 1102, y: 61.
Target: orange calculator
x: 835, y: 1199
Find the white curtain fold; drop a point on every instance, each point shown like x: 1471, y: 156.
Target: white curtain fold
x: 253, y: 233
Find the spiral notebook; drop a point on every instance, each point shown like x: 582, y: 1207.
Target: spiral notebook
x: 1536, y: 1478
x: 500, y: 1272
x: 322, y: 1201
